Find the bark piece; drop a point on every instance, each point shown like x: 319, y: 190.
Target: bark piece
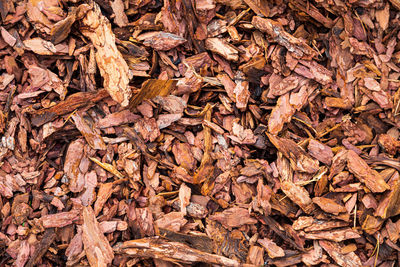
x: 388, y: 205
x: 103, y: 195
x: 120, y: 17
x: 71, y: 165
x: 320, y: 151
x: 365, y: 174
x: 60, y: 219
x: 184, y: 197
x: 273, y: 250
x: 298, y: 195
x: 47, y: 239
x: 92, y: 137
x: 233, y: 217
x: 334, y: 250
x: 334, y: 235
x: 152, y: 88
x: 256, y: 255
x: 161, y: 40
x: 113, y: 67
x: 171, y: 251
x: 298, y: 47
x: 329, y: 205
x: 97, y: 248
x: 299, y: 159
x: 40, y: 46
x: 72, y: 102
x: 223, y: 48
x: 282, y: 113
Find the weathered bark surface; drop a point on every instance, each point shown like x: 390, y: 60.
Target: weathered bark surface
x: 207, y: 132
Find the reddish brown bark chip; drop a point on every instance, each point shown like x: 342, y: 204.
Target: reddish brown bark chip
x: 298, y: 47
x: 234, y: 217
x: 329, y: 205
x: 333, y: 235
x: 112, y: 65
x: 97, y: 248
x: 161, y: 40
x: 92, y: 137
x: 273, y: 250
x: 347, y: 260
x: 298, y: 195
x: 71, y: 165
x: 222, y: 48
x: 297, y: 156
x: 59, y: 219
x: 320, y: 151
x: 281, y: 114
x: 372, y: 179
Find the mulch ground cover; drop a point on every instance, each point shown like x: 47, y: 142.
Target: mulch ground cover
x: 199, y: 132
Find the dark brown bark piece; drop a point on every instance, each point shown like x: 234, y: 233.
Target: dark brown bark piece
x: 73, y: 102
x: 44, y: 244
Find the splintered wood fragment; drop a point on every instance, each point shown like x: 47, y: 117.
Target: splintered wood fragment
x: 75, y: 101
x: 298, y: 195
x: 334, y: 235
x: 60, y: 219
x: 161, y: 40
x: 206, y: 169
x: 108, y: 167
x: 273, y: 250
x: 93, y: 138
x: 334, y: 250
x: 299, y: 159
x: 171, y: 251
x: 329, y: 205
x: 298, y: 47
x: 223, y: 48
x: 282, y: 113
x: 105, y: 192
x: 371, y: 178
x: 112, y: 65
x: 152, y: 88
x: 48, y: 238
x: 233, y: 217
x: 97, y: 248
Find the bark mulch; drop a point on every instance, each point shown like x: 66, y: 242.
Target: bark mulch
x: 207, y: 132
